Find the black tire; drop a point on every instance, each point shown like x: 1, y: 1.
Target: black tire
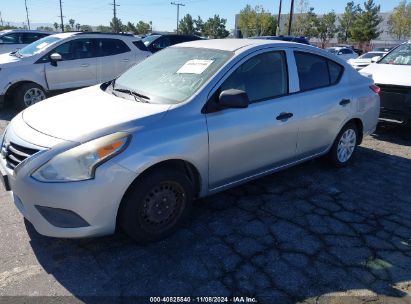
x: 148, y: 216
x: 22, y: 90
x: 333, y: 155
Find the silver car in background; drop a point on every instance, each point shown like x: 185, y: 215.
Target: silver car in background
x: 190, y: 121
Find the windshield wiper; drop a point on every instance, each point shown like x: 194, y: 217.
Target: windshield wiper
x: 137, y: 96
x: 15, y: 54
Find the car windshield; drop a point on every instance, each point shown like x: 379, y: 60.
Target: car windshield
x: 38, y: 46
x: 331, y: 50
x: 173, y: 75
x: 149, y: 39
x: 370, y: 55
x: 400, y: 56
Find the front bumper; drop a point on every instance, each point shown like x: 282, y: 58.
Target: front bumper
x: 95, y: 201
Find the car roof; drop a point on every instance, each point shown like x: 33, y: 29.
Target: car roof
x: 100, y: 34
x: 233, y: 45
x: 25, y: 31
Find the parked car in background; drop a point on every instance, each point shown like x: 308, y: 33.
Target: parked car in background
x: 66, y: 61
x: 382, y: 49
x: 365, y: 60
x: 156, y: 43
x: 137, y: 150
x: 358, y: 51
x: 343, y: 52
x: 392, y: 74
x: 11, y: 40
x: 296, y: 39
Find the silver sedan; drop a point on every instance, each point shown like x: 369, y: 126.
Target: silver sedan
x: 187, y: 122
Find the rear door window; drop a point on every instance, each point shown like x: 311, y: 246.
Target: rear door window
x: 110, y: 47
x: 315, y: 71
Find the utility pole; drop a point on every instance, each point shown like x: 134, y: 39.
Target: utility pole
x: 1, y: 19
x: 27, y: 12
x: 61, y: 17
x: 279, y: 18
x: 291, y: 17
x: 178, y: 11
x: 115, y: 23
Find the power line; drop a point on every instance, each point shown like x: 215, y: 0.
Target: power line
x: 178, y: 11
x: 61, y: 17
x: 27, y: 13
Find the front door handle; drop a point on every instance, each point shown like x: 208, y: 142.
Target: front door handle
x: 345, y: 102
x: 285, y: 116
x: 85, y: 65
x: 126, y: 60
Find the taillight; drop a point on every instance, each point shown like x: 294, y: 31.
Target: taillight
x: 376, y: 89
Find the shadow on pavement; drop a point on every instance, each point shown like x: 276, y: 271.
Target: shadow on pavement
x: 394, y: 133
x: 292, y: 236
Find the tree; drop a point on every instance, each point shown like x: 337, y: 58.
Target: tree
x: 215, y: 27
x: 400, y: 21
x: 104, y: 29
x: 326, y: 28
x: 199, y: 26
x: 86, y: 28
x: 71, y: 22
x: 116, y: 25
x: 131, y: 28
x: 351, y: 13
x: 186, y: 26
x: 305, y: 20
x: 78, y: 26
x: 67, y: 28
x: 256, y: 22
x: 56, y: 26
x: 45, y: 28
x: 143, y: 28
x: 366, y: 26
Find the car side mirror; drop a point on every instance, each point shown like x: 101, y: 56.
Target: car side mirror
x: 339, y: 53
x: 55, y: 57
x: 233, y: 98
x: 375, y: 59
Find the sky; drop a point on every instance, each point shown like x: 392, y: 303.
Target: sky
x: 160, y: 12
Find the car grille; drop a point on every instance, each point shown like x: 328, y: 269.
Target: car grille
x: 395, y: 97
x: 15, y: 154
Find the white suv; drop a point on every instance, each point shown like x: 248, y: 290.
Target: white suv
x: 11, y: 40
x: 66, y: 61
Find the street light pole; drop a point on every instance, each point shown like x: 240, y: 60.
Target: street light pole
x: 279, y: 18
x: 27, y: 12
x: 178, y: 11
x: 291, y: 18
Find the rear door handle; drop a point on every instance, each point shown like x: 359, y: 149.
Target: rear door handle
x: 126, y: 60
x: 285, y: 116
x: 345, y: 102
x: 84, y: 65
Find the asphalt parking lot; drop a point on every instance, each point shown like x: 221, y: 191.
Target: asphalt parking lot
x: 310, y: 234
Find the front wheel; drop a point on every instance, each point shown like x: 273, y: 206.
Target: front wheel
x: 28, y: 94
x: 344, y: 146
x: 156, y: 205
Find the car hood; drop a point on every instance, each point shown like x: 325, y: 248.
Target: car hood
x: 88, y: 113
x: 389, y: 74
x: 7, y: 60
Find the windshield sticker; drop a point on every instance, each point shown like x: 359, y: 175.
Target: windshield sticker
x: 195, y: 66
x: 42, y: 45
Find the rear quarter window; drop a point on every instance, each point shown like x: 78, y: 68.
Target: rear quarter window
x: 140, y: 45
x: 315, y: 71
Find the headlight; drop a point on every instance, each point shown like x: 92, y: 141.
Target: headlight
x: 80, y: 163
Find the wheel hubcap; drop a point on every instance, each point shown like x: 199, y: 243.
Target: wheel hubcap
x: 162, y: 205
x: 346, y: 145
x: 33, y: 96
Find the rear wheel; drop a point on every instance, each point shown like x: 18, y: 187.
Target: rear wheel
x: 345, y: 145
x: 28, y: 94
x: 156, y: 205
